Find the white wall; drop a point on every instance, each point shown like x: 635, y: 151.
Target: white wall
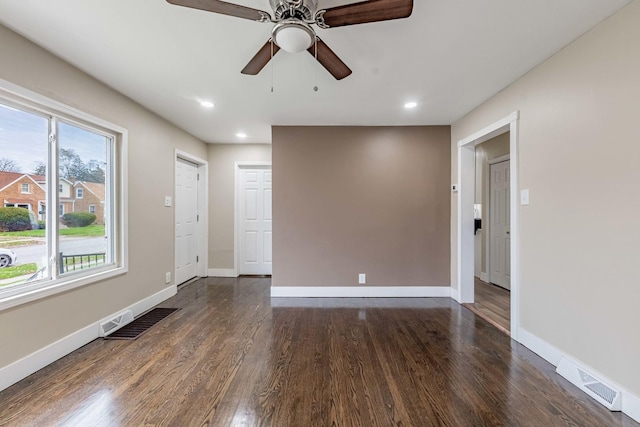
x: 579, y: 145
x: 30, y: 327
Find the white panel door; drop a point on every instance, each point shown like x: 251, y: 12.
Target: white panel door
x: 255, y: 223
x: 186, y: 215
x: 500, y: 243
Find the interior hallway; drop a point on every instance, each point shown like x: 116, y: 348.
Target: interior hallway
x: 493, y: 304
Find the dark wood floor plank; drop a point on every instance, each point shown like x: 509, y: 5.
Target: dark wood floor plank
x: 233, y: 356
x: 493, y: 304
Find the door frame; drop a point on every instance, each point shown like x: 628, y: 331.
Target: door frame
x: 465, y: 221
x: 202, y: 228
x: 236, y: 206
x: 486, y: 220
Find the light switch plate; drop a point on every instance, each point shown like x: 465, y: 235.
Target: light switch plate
x: 524, y: 197
x: 167, y: 201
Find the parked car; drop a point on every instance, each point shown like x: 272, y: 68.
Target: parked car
x: 7, y: 257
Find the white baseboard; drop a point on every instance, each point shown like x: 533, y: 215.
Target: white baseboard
x: 542, y: 348
x: 630, y: 402
x: 150, y: 302
x: 222, y: 272
x: 455, y: 295
x: 631, y: 405
x: 360, y: 292
x: 26, y: 366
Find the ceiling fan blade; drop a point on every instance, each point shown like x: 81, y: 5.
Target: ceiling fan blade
x: 329, y: 60
x: 366, y: 11
x: 224, y: 8
x: 260, y: 59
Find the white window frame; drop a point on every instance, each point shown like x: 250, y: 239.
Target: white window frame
x: 22, y: 186
x: 60, y: 188
x: 116, y: 190
x: 79, y: 193
x: 92, y: 209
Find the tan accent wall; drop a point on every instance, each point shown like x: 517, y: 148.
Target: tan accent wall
x: 579, y: 156
x: 152, y: 141
x: 222, y: 159
x: 350, y: 200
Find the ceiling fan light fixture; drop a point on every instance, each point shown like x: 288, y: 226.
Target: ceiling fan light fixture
x: 293, y: 35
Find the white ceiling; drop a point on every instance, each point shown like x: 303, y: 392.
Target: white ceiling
x: 450, y: 56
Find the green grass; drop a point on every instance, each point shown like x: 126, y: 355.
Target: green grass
x: 18, y: 243
x: 88, y: 231
x: 18, y: 270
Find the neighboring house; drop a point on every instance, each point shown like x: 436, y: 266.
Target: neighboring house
x: 21, y: 190
x: 89, y: 197
x: 26, y: 191
x: 65, y: 196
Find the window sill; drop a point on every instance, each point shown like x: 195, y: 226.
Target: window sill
x: 39, y: 290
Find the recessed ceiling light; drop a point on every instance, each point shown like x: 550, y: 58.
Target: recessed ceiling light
x: 410, y: 105
x: 241, y: 135
x: 206, y: 104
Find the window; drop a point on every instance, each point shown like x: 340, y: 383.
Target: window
x: 18, y: 205
x: 36, y: 134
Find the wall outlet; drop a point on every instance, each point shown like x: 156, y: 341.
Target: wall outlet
x: 362, y: 278
x: 167, y: 277
x: 167, y: 201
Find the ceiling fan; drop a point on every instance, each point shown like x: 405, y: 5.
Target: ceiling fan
x: 292, y: 31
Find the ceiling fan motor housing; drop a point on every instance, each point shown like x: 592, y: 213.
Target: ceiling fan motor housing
x: 297, y: 9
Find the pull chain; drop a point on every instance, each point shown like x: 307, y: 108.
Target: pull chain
x: 315, y: 88
x: 271, y: 65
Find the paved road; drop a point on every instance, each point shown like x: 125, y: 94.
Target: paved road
x: 68, y: 246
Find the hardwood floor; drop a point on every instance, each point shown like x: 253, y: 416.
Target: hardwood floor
x: 234, y: 357
x: 492, y: 303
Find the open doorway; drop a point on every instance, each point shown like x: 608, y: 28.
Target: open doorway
x: 492, y: 281
x: 465, y: 224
